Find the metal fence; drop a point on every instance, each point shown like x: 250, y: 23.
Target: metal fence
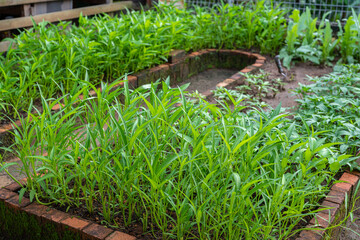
x: 338, y: 9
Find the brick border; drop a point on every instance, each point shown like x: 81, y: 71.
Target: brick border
x: 84, y: 229
x: 333, y: 213
x: 334, y: 209
x: 178, y: 60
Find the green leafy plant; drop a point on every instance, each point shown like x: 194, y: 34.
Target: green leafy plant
x: 102, y: 48
x: 193, y: 170
x: 332, y: 103
x: 306, y: 42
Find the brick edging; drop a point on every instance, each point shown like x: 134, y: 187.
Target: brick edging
x: 86, y: 229
x: 335, y: 212
x: 61, y: 221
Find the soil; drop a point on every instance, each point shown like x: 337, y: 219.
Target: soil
x: 351, y: 231
x: 299, y: 73
x: 207, y: 79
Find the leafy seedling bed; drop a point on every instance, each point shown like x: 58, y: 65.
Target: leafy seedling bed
x: 180, y: 67
x: 189, y: 168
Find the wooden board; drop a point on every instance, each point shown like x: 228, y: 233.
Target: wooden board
x: 5, y: 3
x: 63, y: 15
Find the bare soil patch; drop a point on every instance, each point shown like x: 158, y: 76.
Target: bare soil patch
x: 298, y: 73
x: 207, y: 80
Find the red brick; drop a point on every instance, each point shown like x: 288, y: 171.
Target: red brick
x: 207, y: 93
x: 229, y: 80
x: 222, y: 84
x: 6, y: 194
x: 13, y: 202
x: 322, y: 220
x: 349, y: 178
x: 342, y: 187
x: 226, y: 51
x: 132, y: 82
x: 6, y: 127
x: 57, y: 107
x: 120, y: 236
x: 242, y: 52
x: 142, y: 77
x: 14, y: 187
x: 195, y: 54
x: 96, y: 232
x: 336, y: 197
x: 74, y: 223
x: 36, y: 209
x: 237, y: 76
x: 333, y: 208
x: 246, y: 70
x: 258, y: 56
x: 203, y: 51
x: 54, y: 216
x: 310, y: 235
x: 357, y: 173
x: 176, y: 55
x: 257, y: 65
x: 162, y: 67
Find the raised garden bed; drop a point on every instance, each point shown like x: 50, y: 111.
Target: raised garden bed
x: 158, y: 164
x: 180, y: 67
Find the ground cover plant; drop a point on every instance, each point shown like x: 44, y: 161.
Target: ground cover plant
x: 194, y: 171
x: 52, y: 56
x: 331, y: 104
x: 251, y: 93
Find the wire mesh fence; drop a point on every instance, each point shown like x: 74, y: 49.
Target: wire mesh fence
x: 336, y: 9
x: 211, y: 3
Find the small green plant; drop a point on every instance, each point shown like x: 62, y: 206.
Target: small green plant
x: 256, y: 87
x: 196, y: 95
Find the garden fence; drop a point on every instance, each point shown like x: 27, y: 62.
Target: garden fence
x: 339, y: 9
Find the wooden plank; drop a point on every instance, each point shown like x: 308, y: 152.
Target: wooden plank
x: 63, y: 15
x: 6, y: 3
